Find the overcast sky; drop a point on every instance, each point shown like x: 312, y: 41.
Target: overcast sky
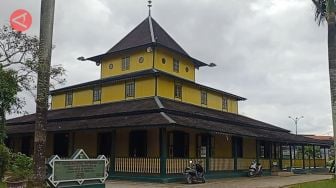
x: 269, y: 51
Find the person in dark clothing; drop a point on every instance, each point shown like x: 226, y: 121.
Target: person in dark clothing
x: 332, y: 167
x: 199, y: 168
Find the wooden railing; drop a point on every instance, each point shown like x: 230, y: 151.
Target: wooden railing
x: 320, y: 162
x: 243, y: 163
x: 309, y: 163
x: 265, y: 163
x: 221, y: 164
x: 176, y: 166
x: 138, y: 165
x: 285, y: 163
x: 297, y: 163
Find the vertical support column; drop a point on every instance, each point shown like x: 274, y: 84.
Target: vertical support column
x: 71, y: 144
x: 113, y: 151
x: 271, y: 155
x: 280, y: 156
x: 290, y: 156
x: 314, y: 156
x: 163, y: 151
x: 257, y: 150
x: 325, y: 157
x: 234, y: 145
x: 294, y: 153
x: 303, y: 157
x: 208, y: 153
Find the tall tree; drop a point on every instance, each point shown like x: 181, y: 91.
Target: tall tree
x: 18, y: 61
x: 326, y: 11
x: 8, y: 91
x: 19, y: 52
x: 43, y: 82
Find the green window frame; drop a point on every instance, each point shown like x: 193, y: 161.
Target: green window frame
x: 96, y: 94
x: 176, y: 65
x: 225, y: 104
x: 68, y: 98
x: 204, y: 97
x: 178, y: 90
x: 130, y: 89
x: 125, y: 63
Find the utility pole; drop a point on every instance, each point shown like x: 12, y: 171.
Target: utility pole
x: 296, y: 120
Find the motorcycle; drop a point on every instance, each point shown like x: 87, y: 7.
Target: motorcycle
x: 255, y: 169
x: 194, y: 173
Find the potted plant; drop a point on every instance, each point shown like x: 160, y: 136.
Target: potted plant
x: 19, y: 170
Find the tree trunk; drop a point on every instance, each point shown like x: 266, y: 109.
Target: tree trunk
x: 332, y: 68
x: 2, y: 125
x: 43, y: 81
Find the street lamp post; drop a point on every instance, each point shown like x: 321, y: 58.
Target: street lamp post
x: 296, y: 120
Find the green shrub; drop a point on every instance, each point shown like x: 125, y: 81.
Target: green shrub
x: 20, y: 166
x: 4, y: 159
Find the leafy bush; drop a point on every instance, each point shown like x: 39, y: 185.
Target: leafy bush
x: 20, y: 166
x: 4, y: 159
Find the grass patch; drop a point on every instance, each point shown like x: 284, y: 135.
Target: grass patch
x: 315, y: 184
x: 2, y: 185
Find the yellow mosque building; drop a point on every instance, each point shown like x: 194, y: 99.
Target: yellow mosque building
x: 148, y: 114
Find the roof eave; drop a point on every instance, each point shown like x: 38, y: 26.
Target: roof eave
x: 98, y: 58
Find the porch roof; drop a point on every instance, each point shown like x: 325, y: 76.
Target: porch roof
x: 157, y: 112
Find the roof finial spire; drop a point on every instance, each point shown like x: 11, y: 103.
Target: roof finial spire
x: 149, y: 7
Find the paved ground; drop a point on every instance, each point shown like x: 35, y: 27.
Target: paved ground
x: 244, y: 182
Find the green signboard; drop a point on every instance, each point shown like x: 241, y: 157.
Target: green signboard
x: 78, y: 169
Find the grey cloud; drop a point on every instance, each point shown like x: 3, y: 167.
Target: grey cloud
x: 269, y: 51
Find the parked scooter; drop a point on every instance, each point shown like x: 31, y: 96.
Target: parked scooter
x: 255, y: 169
x: 194, y: 173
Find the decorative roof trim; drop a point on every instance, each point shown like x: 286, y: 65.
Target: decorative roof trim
x: 151, y: 28
x: 158, y: 102
x: 169, y: 119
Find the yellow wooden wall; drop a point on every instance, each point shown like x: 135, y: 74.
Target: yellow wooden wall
x: 192, y: 143
x: 144, y: 87
x: 192, y: 94
x: 86, y: 140
x: 168, y: 66
x: 122, y: 140
x: 114, y: 92
x: 249, y: 148
x: 134, y: 63
x: 233, y: 106
x: 153, y: 147
x: 82, y: 97
x: 58, y: 101
x: 223, y: 146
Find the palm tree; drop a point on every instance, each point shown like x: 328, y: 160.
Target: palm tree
x: 326, y: 11
x: 43, y: 82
